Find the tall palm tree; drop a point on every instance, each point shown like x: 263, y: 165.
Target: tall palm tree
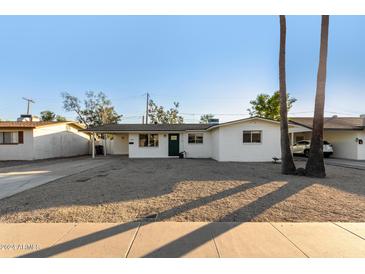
x: 315, y: 164
x: 287, y: 162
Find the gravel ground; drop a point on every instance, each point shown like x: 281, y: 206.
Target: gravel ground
x: 191, y: 190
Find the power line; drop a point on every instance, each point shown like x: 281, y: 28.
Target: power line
x: 220, y: 114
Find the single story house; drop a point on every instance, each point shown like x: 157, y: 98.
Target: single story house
x: 245, y: 140
x: 31, y: 140
x: 346, y: 134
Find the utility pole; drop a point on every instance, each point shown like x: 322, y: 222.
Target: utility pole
x: 147, y: 102
x: 28, y: 104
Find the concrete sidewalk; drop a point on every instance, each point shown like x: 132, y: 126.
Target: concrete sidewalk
x: 16, y: 179
x: 183, y: 239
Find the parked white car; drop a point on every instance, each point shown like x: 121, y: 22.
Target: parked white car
x: 302, y: 147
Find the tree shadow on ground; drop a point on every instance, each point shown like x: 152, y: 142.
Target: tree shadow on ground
x: 127, y: 180
x: 203, y: 234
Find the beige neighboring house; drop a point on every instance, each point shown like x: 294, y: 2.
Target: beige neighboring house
x: 31, y: 140
x: 346, y: 134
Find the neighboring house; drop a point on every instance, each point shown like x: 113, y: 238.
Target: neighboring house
x: 32, y: 140
x: 346, y: 134
x: 246, y: 140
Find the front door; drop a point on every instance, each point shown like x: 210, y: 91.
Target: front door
x: 174, y: 142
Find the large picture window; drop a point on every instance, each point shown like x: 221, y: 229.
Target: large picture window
x: 252, y: 136
x: 14, y: 137
x: 195, y: 138
x: 148, y: 140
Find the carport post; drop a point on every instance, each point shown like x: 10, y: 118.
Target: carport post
x: 292, y: 140
x: 105, y: 136
x: 93, y: 145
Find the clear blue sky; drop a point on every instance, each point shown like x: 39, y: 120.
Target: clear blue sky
x: 210, y: 64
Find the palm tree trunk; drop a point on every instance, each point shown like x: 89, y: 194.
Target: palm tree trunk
x: 315, y: 164
x: 287, y: 162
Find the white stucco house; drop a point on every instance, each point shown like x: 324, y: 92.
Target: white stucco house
x: 346, y: 134
x: 245, y: 140
x: 31, y: 140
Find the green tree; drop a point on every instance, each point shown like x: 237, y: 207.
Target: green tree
x: 97, y: 109
x: 60, y: 118
x: 204, y: 119
x: 315, y: 164
x: 268, y: 106
x: 47, y: 115
x: 158, y: 115
x: 287, y: 161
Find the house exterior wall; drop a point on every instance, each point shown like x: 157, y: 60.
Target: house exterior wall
x: 203, y: 150
x: 232, y: 148
x: 18, y: 151
x: 215, y: 143
x: 118, y: 145
x: 192, y: 150
x: 59, y: 140
x: 222, y: 144
x: 361, y: 147
x: 135, y: 151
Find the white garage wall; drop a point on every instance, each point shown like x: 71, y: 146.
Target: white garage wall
x: 148, y: 152
x: 361, y: 148
x: 18, y: 151
x: 232, y: 148
x: 59, y: 140
x: 203, y: 150
x: 118, y: 145
x: 344, y: 144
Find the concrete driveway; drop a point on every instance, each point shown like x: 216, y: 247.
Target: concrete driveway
x: 345, y: 163
x: 16, y: 179
x: 356, y: 164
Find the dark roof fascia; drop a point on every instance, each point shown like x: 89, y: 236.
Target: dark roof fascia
x: 155, y: 130
x: 345, y: 129
x: 334, y: 129
x: 299, y: 124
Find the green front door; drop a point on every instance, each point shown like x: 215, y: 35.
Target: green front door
x: 174, y: 144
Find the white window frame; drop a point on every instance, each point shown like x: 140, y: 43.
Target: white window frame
x: 251, y: 132
x: 195, y: 135
x: 148, y: 140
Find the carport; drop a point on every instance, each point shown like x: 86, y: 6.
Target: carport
x: 346, y: 134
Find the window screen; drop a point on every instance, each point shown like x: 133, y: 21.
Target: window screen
x: 252, y: 136
x: 148, y: 140
x: 195, y: 138
x: 9, y: 137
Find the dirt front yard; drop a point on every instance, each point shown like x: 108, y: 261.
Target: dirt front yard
x: 191, y: 190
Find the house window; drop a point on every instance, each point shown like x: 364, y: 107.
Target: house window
x: 195, y: 138
x: 14, y: 137
x: 252, y: 136
x: 148, y: 140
